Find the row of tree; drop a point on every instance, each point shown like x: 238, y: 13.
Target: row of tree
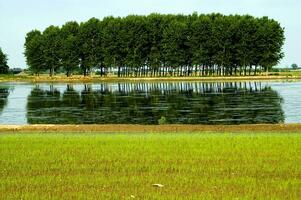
x: 158, y: 45
x: 3, y: 63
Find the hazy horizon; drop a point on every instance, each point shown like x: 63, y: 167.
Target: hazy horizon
x: 19, y: 17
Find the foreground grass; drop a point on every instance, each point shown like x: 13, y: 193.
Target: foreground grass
x: 124, y: 166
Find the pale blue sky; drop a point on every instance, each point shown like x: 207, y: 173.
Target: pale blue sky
x: 17, y: 17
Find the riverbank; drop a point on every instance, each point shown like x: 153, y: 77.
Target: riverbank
x: 95, y: 79
x: 128, y: 128
x: 150, y: 166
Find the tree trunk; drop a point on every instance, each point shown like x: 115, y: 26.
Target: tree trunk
x: 118, y: 71
x: 51, y: 72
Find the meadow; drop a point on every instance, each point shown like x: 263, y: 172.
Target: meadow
x: 125, y: 166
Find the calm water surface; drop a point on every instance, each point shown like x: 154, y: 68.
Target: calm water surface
x: 147, y: 103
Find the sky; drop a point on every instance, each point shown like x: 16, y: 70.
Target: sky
x: 17, y: 17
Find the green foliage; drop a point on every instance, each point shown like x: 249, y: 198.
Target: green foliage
x: 3, y: 63
x: 34, y: 52
x: 69, y: 51
x: 52, y: 46
x: 294, y: 66
x: 90, y: 45
x: 162, y: 120
x: 160, y: 45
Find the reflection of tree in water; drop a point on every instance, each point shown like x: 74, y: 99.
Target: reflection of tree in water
x: 43, y: 106
x: 4, y: 92
x: 185, y: 103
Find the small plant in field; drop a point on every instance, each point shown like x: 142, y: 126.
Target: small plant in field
x: 162, y: 120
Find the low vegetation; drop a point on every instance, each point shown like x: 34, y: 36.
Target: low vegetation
x: 125, y: 166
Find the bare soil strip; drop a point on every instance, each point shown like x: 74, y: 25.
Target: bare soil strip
x: 128, y: 128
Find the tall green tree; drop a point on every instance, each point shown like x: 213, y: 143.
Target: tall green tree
x: 69, y: 53
x: 34, y: 52
x: 52, y: 48
x: 114, y: 43
x: 90, y: 46
x: 137, y: 43
x: 3, y: 63
x: 271, y: 36
x: 201, y: 30
x: 155, y: 23
x: 174, y: 39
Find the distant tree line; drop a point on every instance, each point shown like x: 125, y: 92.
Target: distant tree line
x: 158, y: 45
x: 4, y: 69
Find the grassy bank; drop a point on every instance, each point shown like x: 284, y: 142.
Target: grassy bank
x: 124, y: 166
x: 80, y: 78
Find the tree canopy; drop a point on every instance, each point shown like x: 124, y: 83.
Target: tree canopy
x: 3, y: 63
x: 159, y: 45
x: 294, y: 66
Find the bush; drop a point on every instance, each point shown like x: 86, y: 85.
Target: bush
x: 162, y: 120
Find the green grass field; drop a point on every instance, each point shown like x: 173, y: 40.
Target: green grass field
x: 124, y: 166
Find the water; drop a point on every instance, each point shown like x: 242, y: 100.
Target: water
x: 148, y: 103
